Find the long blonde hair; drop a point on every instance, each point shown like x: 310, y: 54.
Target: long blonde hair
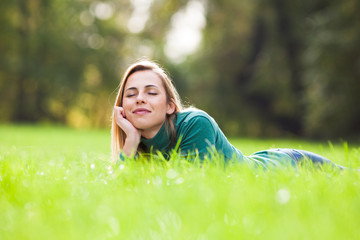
x: 118, y: 136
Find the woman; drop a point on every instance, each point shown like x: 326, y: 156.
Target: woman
x: 148, y: 116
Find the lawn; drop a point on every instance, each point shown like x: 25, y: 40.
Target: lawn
x: 58, y: 183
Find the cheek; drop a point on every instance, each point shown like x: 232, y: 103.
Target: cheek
x: 162, y: 104
x: 125, y: 104
x: 127, y: 107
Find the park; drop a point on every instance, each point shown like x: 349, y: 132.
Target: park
x: 273, y: 74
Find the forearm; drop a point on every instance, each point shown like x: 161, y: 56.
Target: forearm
x: 130, y: 146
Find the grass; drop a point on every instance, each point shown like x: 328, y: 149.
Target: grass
x: 57, y: 183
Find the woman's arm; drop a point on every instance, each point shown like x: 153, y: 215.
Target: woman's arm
x: 133, y: 134
x: 197, y: 136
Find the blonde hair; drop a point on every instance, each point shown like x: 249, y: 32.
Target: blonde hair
x: 118, y: 136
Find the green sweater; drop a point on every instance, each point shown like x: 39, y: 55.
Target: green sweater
x: 200, y: 134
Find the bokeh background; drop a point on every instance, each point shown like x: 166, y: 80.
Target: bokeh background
x: 261, y: 68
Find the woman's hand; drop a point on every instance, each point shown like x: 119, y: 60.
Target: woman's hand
x: 133, y: 134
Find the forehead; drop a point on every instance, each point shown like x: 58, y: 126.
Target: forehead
x: 143, y: 78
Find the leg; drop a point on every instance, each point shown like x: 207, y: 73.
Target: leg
x: 302, y: 155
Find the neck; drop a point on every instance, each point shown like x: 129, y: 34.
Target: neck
x: 150, y: 133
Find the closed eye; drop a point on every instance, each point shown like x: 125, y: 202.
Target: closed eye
x: 153, y: 93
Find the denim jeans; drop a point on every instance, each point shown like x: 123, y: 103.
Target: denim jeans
x: 299, y: 156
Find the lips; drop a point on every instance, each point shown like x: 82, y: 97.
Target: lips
x: 141, y: 111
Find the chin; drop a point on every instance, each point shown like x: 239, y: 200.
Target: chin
x: 141, y: 125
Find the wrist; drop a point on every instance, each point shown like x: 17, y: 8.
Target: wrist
x: 133, y: 140
x: 131, y: 145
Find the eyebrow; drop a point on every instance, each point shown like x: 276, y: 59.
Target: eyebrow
x: 147, y: 86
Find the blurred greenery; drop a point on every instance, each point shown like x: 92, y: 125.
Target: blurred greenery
x: 262, y: 68
x: 58, y: 183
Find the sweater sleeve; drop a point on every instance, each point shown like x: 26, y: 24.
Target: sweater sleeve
x: 197, y: 136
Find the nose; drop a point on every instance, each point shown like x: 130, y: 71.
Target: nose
x: 140, y: 98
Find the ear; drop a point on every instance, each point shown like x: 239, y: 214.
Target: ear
x: 171, y: 107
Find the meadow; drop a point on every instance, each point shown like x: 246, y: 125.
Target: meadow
x: 59, y: 183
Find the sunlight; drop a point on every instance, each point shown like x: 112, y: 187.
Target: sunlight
x: 86, y: 18
x: 185, y: 34
x: 139, y: 16
x: 102, y: 10
x: 95, y: 41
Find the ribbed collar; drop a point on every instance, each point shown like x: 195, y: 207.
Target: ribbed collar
x: 160, y: 142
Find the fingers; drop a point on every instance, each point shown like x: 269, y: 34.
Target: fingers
x: 117, y: 112
x: 121, y: 120
x: 121, y: 110
x: 132, y: 134
x: 119, y: 116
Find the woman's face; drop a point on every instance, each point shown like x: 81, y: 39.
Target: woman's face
x: 145, y: 103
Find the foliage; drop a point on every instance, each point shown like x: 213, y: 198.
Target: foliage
x: 58, y: 183
x: 58, y: 61
x: 264, y: 68
x: 280, y: 67
x: 332, y: 80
